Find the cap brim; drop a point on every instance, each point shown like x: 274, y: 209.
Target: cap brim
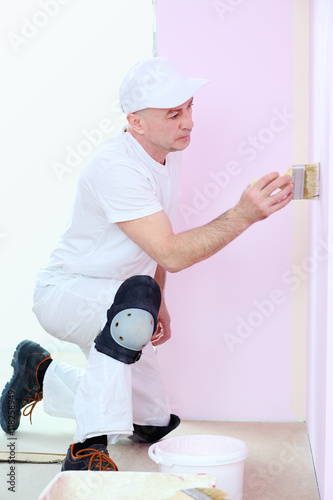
x: 177, y: 95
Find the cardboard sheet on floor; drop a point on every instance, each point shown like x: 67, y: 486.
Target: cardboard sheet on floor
x: 34, y: 458
x: 90, y: 485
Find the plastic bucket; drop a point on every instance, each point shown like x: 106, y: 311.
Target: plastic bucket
x: 221, y: 456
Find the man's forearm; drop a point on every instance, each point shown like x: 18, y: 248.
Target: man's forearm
x: 200, y: 243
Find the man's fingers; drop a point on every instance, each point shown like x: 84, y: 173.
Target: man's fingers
x: 158, y: 333
x: 282, y: 203
x: 280, y: 182
x: 268, y: 195
x: 282, y: 194
x: 161, y: 335
x: 264, y: 181
x: 271, y: 182
x: 161, y: 339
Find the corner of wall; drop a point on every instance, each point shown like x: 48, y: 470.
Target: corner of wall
x: 300, y: 208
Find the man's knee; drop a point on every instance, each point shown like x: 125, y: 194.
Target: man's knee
x: 132, y: 319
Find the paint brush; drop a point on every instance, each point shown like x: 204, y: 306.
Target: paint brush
x: 200, y: 494
x: 305, y: 179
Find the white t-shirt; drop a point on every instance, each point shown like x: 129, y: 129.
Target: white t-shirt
x: 121, y: 182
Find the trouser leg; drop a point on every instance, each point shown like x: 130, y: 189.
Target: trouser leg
x: 150, y: 406
x: 151, y: 414
x: 60, y: 385
x: 103, y: 401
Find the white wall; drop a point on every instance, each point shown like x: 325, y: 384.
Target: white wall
x: 62, y: 62
x: 320, y: 348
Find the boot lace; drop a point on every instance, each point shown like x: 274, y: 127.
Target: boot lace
x: 31, y: 405
x: 98, y: 460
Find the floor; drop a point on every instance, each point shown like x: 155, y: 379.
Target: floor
x: 279, y: 465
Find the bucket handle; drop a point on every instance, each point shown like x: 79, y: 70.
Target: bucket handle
x: 152, y: 455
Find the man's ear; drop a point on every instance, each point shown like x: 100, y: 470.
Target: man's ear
x: 136, y: 122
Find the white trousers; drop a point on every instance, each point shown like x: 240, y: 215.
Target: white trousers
x: 108, y: 396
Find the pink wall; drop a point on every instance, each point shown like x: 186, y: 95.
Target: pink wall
x: 320, y: 366
x: 229, y: 357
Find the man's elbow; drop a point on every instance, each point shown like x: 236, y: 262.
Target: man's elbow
x: 173, y: 269
x: 172, y: 264
x: 170, y: 256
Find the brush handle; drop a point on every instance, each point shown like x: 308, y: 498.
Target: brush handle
x: 289, y: 172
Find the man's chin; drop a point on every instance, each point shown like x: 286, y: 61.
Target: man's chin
x: 182, y: 144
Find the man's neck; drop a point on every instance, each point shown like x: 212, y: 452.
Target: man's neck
x: 149, y: 148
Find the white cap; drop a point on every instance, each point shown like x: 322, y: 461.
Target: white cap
x: 156, y: 83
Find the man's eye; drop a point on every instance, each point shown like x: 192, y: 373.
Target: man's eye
x: 174, y: 116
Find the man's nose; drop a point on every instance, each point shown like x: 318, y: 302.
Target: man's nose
x: 187, y: 122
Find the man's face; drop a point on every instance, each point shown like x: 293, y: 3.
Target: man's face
x: 167, y: 130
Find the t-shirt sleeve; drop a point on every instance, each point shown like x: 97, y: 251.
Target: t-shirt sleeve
x: 126, y: 194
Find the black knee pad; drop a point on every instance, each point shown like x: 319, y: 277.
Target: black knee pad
x: 132, y: 319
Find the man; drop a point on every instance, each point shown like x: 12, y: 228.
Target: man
x: 103, y: 288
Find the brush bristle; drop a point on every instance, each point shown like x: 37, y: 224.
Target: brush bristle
x: 311, y: 182
x: 214, y: 493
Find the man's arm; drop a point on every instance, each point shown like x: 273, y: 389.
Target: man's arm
x: 160, y: 277
x: 174, y: 252
x: 163, y: 331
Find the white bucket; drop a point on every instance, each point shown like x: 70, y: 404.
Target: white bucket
x: 221, y: 456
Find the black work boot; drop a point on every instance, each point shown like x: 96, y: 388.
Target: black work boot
x: 153, y: 433
x: 96, y: 457
x: 25, y: 386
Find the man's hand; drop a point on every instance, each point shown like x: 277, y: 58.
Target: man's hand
x: 266, y: 196
x: 163, y: 331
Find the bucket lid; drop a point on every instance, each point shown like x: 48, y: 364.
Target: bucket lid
x: 198, y: 450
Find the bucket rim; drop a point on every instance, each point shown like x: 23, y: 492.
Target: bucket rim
x: 163, y: 457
